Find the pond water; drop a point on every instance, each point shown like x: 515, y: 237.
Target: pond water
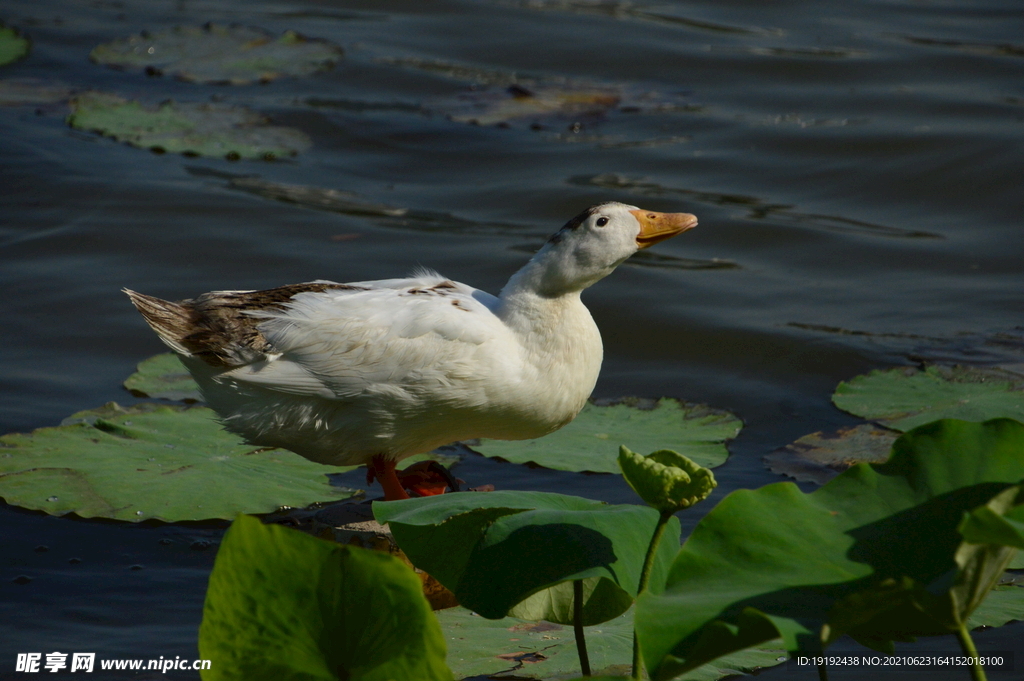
x: 856, y: 168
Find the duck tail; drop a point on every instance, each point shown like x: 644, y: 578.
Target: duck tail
x: 171, y: 321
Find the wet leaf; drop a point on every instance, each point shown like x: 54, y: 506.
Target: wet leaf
x: 902, y: 399
x: 875, y: 553
x: 544, y: 650
x: 199, y: 129
x: 163, y: 377
x: 493, y: 106
x: 13, y: 45
x: 591, y: 442
x: 216, y: 53
x: 152, y: 461
x: 284, y: 605
x: 516, y: 553
x: 819, y: 457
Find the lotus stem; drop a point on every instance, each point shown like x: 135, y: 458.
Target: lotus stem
x: 967, y: 645
x: 645, y: 576
x: 577, y: 625
x: 822, y: 672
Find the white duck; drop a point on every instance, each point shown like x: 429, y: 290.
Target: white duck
x: 373, y: 372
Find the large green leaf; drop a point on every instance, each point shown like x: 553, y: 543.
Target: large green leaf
x: 284, y: 605
x: 905, y: 398
x: 875, y: 553
x: 591, y: 442
x: 198, y: 129
x: 544, y: 650
x: 163, y: 377
x: 13, y: 46
x: 216, y: 53
x: 151, y: 461
x: 516, y: 553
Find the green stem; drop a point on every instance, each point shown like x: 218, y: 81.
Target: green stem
x: 822, y: 672
x: 967, y: 644
x: 577, y: 625
x: 645, y: 576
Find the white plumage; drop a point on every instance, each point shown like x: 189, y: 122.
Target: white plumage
x: 344, y: 373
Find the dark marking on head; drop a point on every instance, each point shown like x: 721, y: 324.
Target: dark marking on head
x: 574, y: 223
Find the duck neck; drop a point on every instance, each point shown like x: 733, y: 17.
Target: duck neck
x: 537, y: 301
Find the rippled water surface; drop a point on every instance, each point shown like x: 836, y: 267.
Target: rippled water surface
x: 856, y: 168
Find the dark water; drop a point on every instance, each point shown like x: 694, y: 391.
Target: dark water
x: 856, y: 168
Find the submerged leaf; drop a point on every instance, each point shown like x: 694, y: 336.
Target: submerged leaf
x: 875, y: 553
x: 149, y: 461
x: 216, y: 53
x: 905, y: 398
x: 200, y: 129
x: 163, y: 377
x: 819, y: 457
x: 590, y: 442
x: 479, y: 647
x: 284, y: 605
x: 30, y: 91
x: 516, y: 553
x: 13, y: 45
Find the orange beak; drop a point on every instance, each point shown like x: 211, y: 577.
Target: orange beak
x: 655, y: 227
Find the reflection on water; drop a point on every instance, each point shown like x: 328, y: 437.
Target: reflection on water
x: 855, y: 168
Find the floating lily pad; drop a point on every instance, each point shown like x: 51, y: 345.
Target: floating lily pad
x: 152, y: 461
x: 284, y: 605
x: 215, y: 53
x: 819, y: 457
x: 1004, y: 604
x: 198, y: 129
x: 880, y: 553
x: 163, y: 377
x: 13, y: 45
x: 516, y: 102
x: 480, y: 647
x: 902, y: 399
x: 591, y: 442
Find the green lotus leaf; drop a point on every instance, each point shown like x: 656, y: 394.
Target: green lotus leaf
x: 215, y: 53
x: 479, y: 647
x: 199, y: 129
x: 517, y: 553
x: 13, y: 45
x: 1004, y: 604
x: 819, y: 457
x: 589, y: 443
x: 666, y: 480
x: 875, y: 553
x: 902, y: 399
x: 163, y: 377
x: 150, y: 461
x: 284, y: 605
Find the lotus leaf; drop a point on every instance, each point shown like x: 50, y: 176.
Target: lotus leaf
x: 819, y: 457
x: 904, y: 398
x: 150, y: 461
x: 479, y: 647
x: 477, y: 544
x: 590, y: 442
x: 215, y: 53
x: 501, y: 106
x: 13, y: 46
x: 163, y: 377
x: 666, y: 480
x: 1005, y: 603
x: 284, y: 605
x: 875, y: 553
x: 201, y: 129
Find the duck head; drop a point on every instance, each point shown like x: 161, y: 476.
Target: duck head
x: 591, y: 245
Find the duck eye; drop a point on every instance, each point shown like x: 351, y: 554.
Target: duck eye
x: 601, y: 222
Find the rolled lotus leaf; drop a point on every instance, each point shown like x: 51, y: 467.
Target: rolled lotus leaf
x: 665, y: 479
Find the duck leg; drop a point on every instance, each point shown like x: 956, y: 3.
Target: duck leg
x: 423, y: 479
